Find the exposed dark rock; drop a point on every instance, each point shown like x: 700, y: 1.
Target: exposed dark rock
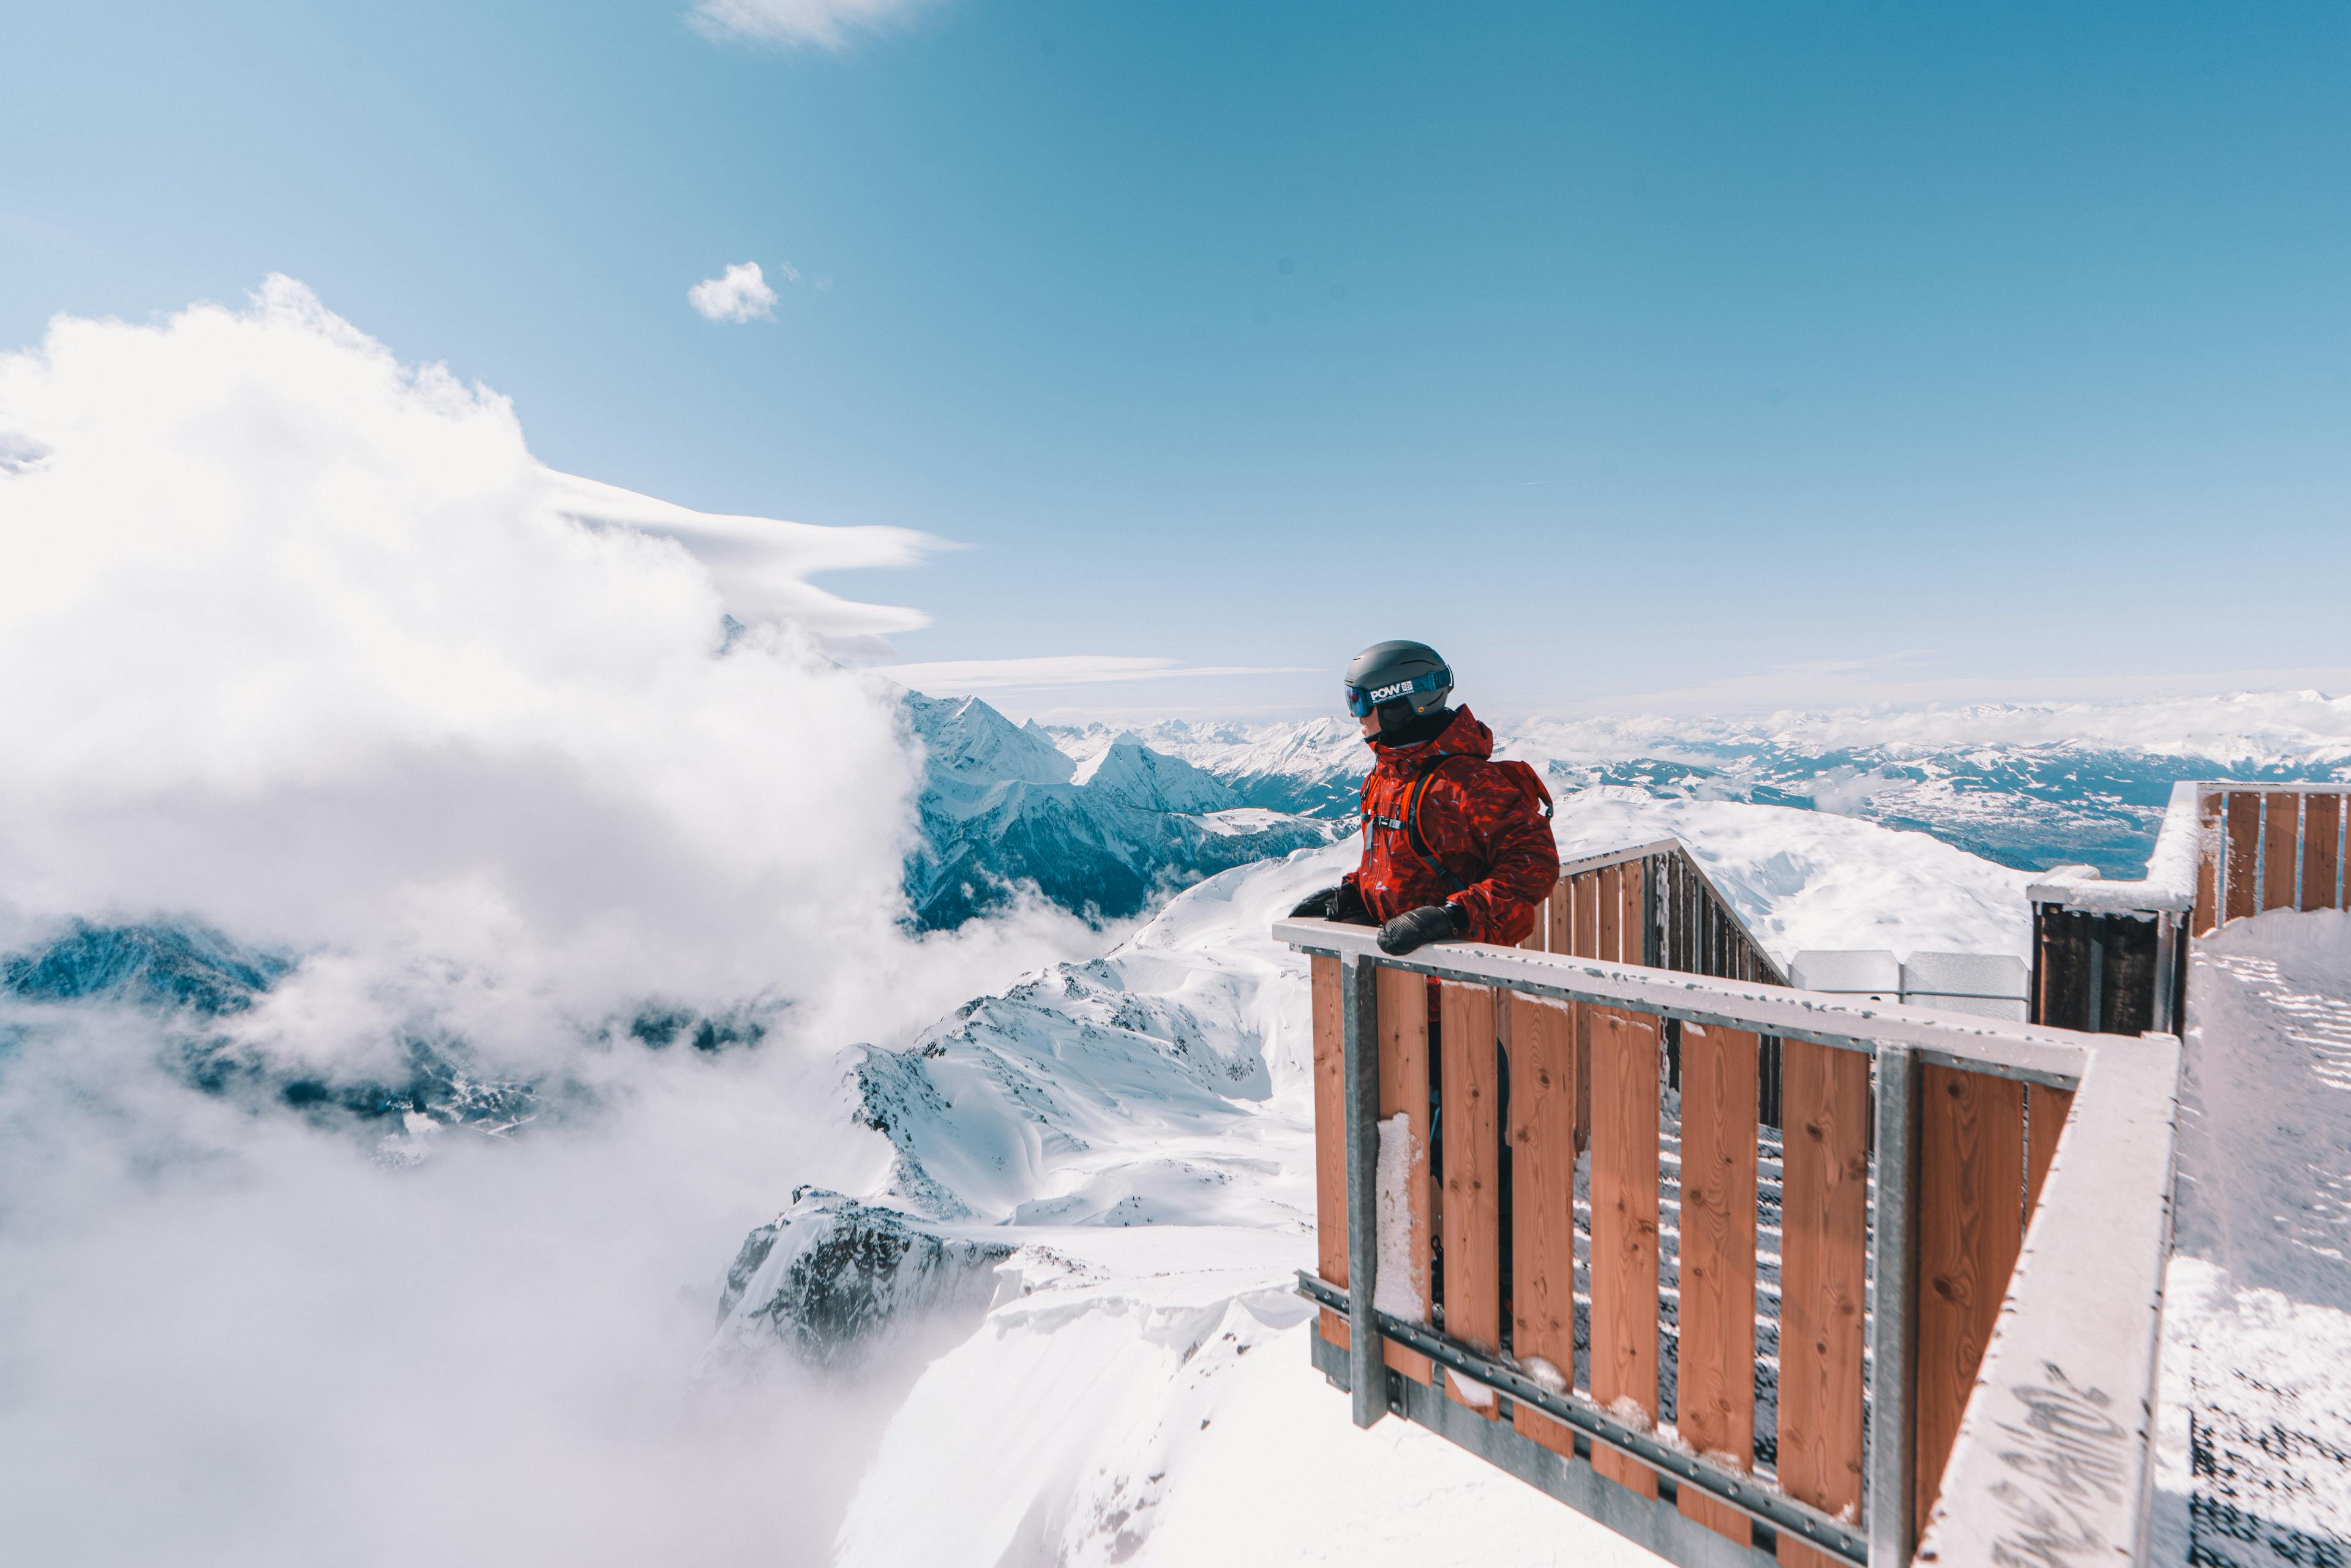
x: 831, y: 1277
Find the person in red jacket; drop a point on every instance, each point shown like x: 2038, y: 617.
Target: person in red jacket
x: 1456, y: 844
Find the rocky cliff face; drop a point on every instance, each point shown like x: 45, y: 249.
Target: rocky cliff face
x: 830, y: 1279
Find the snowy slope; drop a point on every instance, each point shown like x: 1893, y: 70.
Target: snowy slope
x: 1133, y: 773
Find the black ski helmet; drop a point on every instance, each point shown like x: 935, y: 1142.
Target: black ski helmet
x: 1388, y: 672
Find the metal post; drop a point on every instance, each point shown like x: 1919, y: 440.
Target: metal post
x: 2097, y: 985
x: 1358, y: 1021
x: 1892, y: 1344
x: 2165, y: 955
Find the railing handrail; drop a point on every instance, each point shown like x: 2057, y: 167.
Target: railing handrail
x: 1675, y: 846
x: 1967, y: 1040
x: 1605, y: 858
x: 2169, y: 884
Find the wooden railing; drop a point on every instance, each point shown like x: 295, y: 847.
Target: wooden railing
x: 2112, y: 956
x: 1730, y: 1348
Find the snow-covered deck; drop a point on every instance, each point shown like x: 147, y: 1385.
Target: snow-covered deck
x: 2255, y: 1457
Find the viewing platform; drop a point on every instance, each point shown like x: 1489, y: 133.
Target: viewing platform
x: 1751, y: 1273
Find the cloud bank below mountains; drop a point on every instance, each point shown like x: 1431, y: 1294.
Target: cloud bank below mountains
x: 302, y: 641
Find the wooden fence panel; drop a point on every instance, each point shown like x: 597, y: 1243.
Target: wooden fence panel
x: 1403, y: 1000
x: 2207, y: 918
x: 1330, y: 1138
x: 2044, y: 1123
x: 1971, y: 1224
x: 1471, y: 1216
x: 1624, y: 1296
x: 2281, y: 848
x: 1543, y: 1198
x: 1560, y: 912
x: 1715, y: 1388
x: 2322, y: 849
x: 1824, y: 1279
x: 2244, y: 837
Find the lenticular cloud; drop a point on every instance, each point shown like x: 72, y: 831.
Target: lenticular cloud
x: 303, y: 640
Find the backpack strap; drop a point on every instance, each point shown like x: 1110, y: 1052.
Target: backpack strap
x: 1412, y: 824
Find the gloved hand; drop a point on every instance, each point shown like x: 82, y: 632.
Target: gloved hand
x: 1430, y: 922
x: 1341, y: 902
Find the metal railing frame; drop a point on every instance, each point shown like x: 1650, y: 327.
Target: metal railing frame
x: 1901, y: 1039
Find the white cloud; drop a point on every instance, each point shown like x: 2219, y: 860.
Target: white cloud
x: 740, y: 294
x: 961, y: 676
x: 301, y: 640
x: 823, y: 23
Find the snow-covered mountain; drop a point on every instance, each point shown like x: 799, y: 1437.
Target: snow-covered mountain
x: 1102, y: 834
x: 2026, y: 785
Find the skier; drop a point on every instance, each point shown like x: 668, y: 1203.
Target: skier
x: 1456, y: 844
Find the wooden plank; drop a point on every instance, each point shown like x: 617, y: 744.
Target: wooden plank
x: 1610, y: 894
x: 2281, y: 848
x: 1403, y: 1000
x: 2322, y: 851
x: 1970, y: 1218
x: 1625, y: 1298
x: 1633, y: 924
x: 2207, y: 918
x: 1330, y: 1138
x: 1537, y: 934
x: 1824, y: 1279
x: 1471, y: 1216
x: 1587, y: 915
x: 1715, y: 1384
x: 1543, y: 1198
x: 2244, y: 836
x: 1558, y: 910
x: 2044, y: 1121
x: 1587, y: 946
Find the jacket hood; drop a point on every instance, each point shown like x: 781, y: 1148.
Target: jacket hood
x: 1465, y: 736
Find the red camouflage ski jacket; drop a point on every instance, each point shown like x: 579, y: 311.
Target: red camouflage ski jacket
x: 1443, y: 822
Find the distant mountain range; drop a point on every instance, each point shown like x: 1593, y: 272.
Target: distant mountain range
x: 2029, y: 786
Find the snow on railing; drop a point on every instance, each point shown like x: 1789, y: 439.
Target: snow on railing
x: 2170, y: 880
x: 1918, y: 1145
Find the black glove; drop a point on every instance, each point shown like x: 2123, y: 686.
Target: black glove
x: 1341, y: 902
x: 1430, y: 922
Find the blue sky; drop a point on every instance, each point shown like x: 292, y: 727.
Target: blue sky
x: 1678, y: 356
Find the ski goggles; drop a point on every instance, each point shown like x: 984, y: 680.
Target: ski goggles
x: 1362, y: 700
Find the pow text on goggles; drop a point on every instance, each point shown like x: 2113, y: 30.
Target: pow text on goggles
x: 1362, y: 700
